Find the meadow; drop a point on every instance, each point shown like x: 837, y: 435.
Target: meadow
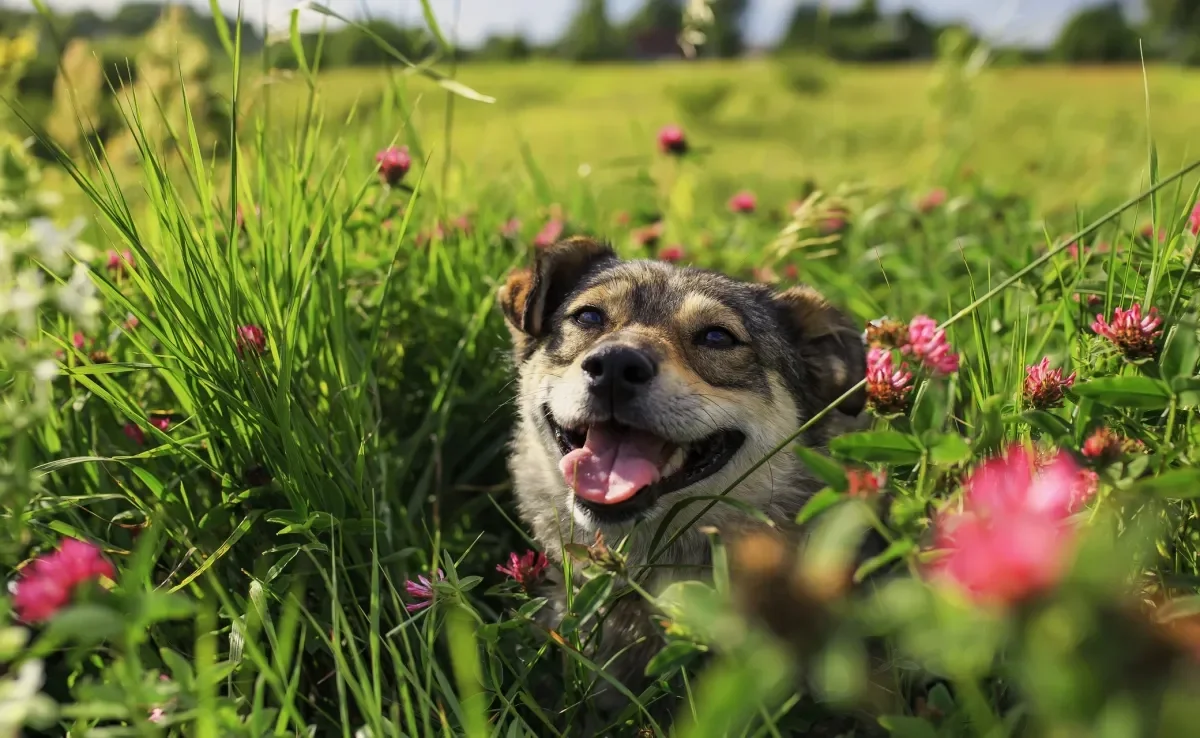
x: 274, y: 402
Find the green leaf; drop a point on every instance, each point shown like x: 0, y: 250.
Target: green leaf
x: 898, y: 550
x: 888, y: 447
x: 991, y: 426
x: 1177, y: 484
x: 929, y: 408
x: 1181, y: 352
x: 675, y: 655
x: 818, y: 503
x: 155, y: 606
x: 1048, y: 423
x: 529, y: 609
x: 824, y: 468
x: 904, y: 726
x: 577, y: 551
x: 179, y: 668
x: 1187, y: 391
x: 591, y: 596
x: 86, y: 624
x: 949, y: 449
x: 1142, y: 393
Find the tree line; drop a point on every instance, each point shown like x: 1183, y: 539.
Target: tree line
x: 1096, y: 34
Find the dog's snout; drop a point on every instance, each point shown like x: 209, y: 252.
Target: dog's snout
x: 620, y: 369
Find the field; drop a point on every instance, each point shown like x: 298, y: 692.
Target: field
x: 284, y: 408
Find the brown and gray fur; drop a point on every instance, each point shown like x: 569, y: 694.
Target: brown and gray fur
x: 795, y: 354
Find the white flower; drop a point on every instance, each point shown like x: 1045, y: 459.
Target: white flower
x: 24, y: 299
x: 45, y: 370
x: 53, y: 244
x: 20, y: 701
x: 77, y: 297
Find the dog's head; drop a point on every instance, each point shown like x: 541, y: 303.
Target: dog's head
x: 642, y: 382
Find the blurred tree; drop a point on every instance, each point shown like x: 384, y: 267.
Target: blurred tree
x: 173, y: 63
x: 654, y: 30
x: 725, y: 37
x: 135, y: 19
x: 1173, y: 16
x: 1097, y: 34
x: 78, y: 92
x: 591, y: 36
x: 861, y: 34
x: 505, y: 48
x: 354, y: 46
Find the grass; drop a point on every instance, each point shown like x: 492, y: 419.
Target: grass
x: 263, y: 535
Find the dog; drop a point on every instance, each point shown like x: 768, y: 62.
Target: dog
x: 642, y: 385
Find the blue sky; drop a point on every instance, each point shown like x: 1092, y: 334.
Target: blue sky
x: 1026, y: 21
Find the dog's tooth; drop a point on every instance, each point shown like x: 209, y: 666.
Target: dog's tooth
x: 675, y: 463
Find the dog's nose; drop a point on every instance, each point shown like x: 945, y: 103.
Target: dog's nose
x: 620, y: 369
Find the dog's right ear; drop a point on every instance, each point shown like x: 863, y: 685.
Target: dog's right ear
x: 530, y: 296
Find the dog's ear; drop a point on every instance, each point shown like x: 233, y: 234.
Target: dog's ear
x: 828, y: 344
x: 530, y: 296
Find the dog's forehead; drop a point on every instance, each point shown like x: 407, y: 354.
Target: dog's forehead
x: 658, y: 292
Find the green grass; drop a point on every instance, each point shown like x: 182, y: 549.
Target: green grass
x: 264, y: 537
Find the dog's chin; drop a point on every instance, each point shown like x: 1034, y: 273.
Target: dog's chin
x: 684, y: 464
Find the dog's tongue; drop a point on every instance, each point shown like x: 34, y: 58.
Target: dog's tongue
x: 612, y: 467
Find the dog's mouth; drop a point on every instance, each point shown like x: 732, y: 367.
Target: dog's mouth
x: 617, y: 470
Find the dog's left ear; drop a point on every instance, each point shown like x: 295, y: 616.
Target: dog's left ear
x: 530, y: 296
x: 828, y: 344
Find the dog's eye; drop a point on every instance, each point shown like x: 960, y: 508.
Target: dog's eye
x: 715, y: 337
x: 589, y: 317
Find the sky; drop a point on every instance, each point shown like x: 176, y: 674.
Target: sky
x: 1027, y: 22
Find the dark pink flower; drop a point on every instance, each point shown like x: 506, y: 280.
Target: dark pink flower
x: 1017, y: 482
x: 525, y: 569
x: 1131, y: 332
x: 511, y: 229
x: 1045, y: 387
x: 394, y: 162
x: 671, y: 140
x: 1092, y: 299
x: 120, y: 261
x: 928, y: 344
x: 932, y: 200
x: 792, y: 272
x: 134, y: 433
x: 37, y: 599
x: 1194, y: 220
x: 888, y: 386
x: 45, y: 586
x: 671, y: 253
x: 649, y: 236
x: 131, y: 322
x: 161, y: 422
x: 79, y: 340
x: 1149, y: 230
x: 1013, y: 539
x: 549, y: 234
x: 864, y: 483
x: 743, y: 202
x: 422, y: 591
x: 251, y: 339
x: 1105, y: 444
